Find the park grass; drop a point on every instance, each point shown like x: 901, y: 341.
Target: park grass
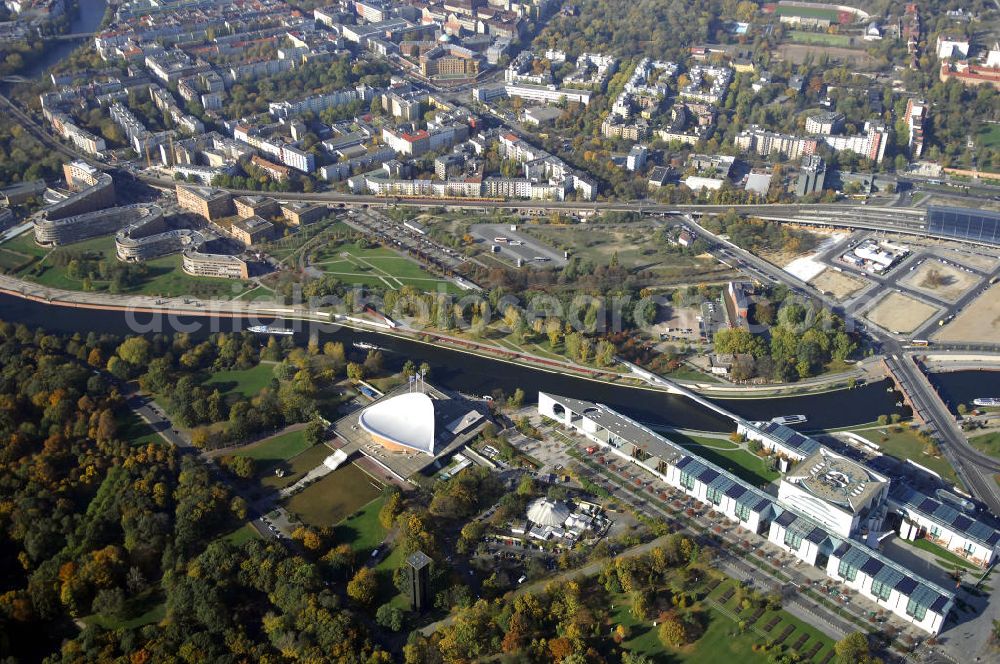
x: 334, y: 497
x: 164, y: 275
x: 989, y: 136
x: 377, y: 266
x: 740, y: 462
x: 146, y: 608
x: 241, y: 535
x: 295, y: 468
x: 906, y: 445
x: 248, y: 382
x: 278, y: 448
x: 134, y: 430
x: 362, y: 529
x: 944, y: 555
x: 721, y: 641
x: 801, y: 37
x: 987, y: 443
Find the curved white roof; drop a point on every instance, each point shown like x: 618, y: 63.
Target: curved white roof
x: 406, y: 420
x: 547, y: 512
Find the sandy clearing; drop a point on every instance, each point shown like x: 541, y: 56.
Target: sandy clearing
x: 900, y: 314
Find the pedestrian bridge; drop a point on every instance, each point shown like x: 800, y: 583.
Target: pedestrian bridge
x: 675, y: 388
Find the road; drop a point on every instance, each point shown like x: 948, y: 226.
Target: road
x: 975, y: 469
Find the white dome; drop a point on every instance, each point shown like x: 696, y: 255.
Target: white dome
x: 547, y: 512
x: 406, y: 420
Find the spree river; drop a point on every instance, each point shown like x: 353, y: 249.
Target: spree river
x: 479, y: 375
x: 88, y: 19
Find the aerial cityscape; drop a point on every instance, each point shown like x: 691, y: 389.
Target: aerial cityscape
x: 448, y: 331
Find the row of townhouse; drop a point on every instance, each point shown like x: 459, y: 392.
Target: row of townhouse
x: 824, y: 482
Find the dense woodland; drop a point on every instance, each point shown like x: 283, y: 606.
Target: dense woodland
x: 94, y: 525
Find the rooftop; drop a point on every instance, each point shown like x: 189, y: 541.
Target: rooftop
x: 837, y: 479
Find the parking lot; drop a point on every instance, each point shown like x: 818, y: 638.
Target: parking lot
x: 395, y: 234
x: 513, y: 246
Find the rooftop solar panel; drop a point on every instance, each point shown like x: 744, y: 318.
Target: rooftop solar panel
x: 707, y: 475
x: 872, y: 567
x: 736, y: 491
x: 785, y: 519
x: 906, y: 585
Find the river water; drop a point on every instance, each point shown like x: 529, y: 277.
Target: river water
x: 86, y: 20
x: 478, y: 375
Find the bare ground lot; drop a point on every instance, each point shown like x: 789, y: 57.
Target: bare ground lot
x: 797, y: 53
x: 951, y: 282
x: 676, y: 319
x: 840, y: 284
x: 975, y: 261
x: 980, y: 321
x: 900, y: 313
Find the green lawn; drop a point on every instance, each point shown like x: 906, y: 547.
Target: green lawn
x: 277, y: 448
x: 294, y: 467
x: 947, y: 557
x: 333, y: 498
x: 134, y: 429
x: 730, y: 456
x: 721, y: 641
x: 362, y: 529
x: 164, y: 275
x: 987, y: 443
x: 377, y: 266
x: 801, y: 37
x: 247, y: 382
x: 241, y: 535
x: 906, y: 445
x: 144, y: 609
x: 989, y: 136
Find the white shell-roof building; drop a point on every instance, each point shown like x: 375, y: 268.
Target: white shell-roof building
x: 403, y: 423
x: 545, y: 512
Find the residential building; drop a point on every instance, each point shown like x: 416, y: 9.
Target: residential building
x: 260, y: 206
x: 224, y: 266
x: 763, y: 142
x: 916, y: 116
x: 825, y: 123
x: 302, y: 214
x: 207, y: 202
x: 636, y: 159
x: 812, y: 175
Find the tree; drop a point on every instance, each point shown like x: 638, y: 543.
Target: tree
x: 363, y: 586
x: 135, y: 351
x: 672, y: 631
x: 390, y: 617
x: 852, y: 649
x: 314, y: 431
x: 109, y: 602
x: 390, y: 508
x: 355, y: 371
